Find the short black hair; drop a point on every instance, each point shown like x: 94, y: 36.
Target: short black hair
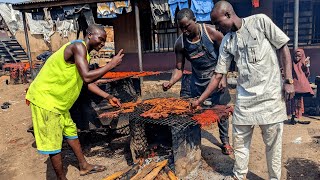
x: 94, y: 27
x: 185, y: 12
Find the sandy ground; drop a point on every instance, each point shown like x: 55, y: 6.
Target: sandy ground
x: 20, y: 160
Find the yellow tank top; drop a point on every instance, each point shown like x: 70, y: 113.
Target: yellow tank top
x: 58, y: 84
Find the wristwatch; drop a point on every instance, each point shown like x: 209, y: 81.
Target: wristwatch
x: 288, y: 81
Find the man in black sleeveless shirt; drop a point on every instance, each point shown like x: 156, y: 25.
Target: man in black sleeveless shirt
x: 199, y: 44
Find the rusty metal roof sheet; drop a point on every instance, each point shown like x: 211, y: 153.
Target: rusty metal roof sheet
x: 35, y: 4
x: 34, y: 1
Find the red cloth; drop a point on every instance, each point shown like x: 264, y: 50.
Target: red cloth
x: 301, y: 84
x: 295, y: 106
x: 300, y: 74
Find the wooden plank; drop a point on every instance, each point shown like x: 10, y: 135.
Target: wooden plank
x: 146, y: 170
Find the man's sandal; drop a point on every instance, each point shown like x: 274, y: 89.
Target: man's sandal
x: 95, y: 169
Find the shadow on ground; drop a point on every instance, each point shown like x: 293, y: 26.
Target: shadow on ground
x: 299, y: 168
x: 216, y: 160
x: 93, y: 144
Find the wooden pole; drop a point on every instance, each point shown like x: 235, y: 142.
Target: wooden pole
x: 296, y: 24
x: 138, y: 36
x: 137, y: 17
x: 27, y: 42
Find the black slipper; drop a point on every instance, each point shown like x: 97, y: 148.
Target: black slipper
x: 95, y: 169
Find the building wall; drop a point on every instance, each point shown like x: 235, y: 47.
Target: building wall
x: 151, y: 62
x: 38, y: 45
x: 125, y: 34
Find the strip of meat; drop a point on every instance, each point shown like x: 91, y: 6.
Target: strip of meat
x: 164, y: 106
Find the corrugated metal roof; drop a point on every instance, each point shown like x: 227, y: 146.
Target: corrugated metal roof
x: 34, y: 1
x: 35, y: 4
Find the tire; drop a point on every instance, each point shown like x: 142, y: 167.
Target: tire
x: 138, y: 141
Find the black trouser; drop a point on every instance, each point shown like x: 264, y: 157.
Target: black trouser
x: 189, y: 89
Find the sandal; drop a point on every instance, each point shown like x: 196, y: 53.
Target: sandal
x: 95, y: 169
x: 226, y: 149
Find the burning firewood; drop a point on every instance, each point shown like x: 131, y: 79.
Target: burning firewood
x: 162, y: 176
x: 170, y: 173
x: 124, y: 174
x: 132, y: 172
x: 146, y: 170
x: 117, y: 174
x: 156, y: 170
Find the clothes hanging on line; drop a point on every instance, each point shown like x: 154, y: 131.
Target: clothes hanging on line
x: 160, y: 11
x: 202, y: 9
x: 173, y: 4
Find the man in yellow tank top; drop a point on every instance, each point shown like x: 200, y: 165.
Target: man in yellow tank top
x: 56, y: 88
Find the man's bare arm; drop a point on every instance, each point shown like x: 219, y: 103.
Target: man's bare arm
x: 216, y: 37
x: 96, y: 90
x: 178, y: 71
x: 285, y: 58
x: 213, y: 85
x: 80, y: 58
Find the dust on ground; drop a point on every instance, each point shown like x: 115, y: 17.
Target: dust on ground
x: 20, y: 160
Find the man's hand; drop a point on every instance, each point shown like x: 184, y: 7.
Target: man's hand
x: 223, y: 83
x: 195, y: 104
x: 114, y: 101
x: 166, y: 86
x: 117, y: 59
x: 289, y: 91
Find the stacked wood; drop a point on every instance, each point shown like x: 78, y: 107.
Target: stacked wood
x: 152, y: 171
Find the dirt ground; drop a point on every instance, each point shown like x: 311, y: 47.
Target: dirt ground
x: 20, y: 160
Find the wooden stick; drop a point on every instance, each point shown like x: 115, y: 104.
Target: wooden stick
x: 162, y: 176
x: 156, y: 170
x: 133, y: 171
x: 146, y: 170
x: 170, y: 173
x: 117, y: 174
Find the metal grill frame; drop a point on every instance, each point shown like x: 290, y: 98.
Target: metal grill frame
x: 178, y: 122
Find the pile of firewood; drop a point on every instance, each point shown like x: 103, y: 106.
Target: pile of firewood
x: 152, y: 171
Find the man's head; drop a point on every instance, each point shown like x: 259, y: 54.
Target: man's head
x: 96, y: 36
x: 187, y: 23
x: 224, y: 17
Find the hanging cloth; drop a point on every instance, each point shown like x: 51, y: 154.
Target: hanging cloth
x: 202, y: 9
x: 160, y: 11
x: 173, y: 4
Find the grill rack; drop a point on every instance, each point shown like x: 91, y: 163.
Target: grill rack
x: 178, y: 122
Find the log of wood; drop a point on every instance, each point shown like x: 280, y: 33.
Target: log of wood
x: 133, y: 171
x: 146, y: 170
x: 170, y: 173
x: 120, y: 173
x: 162, y: 176
x: 117, y: 174
x: 156, y: 170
